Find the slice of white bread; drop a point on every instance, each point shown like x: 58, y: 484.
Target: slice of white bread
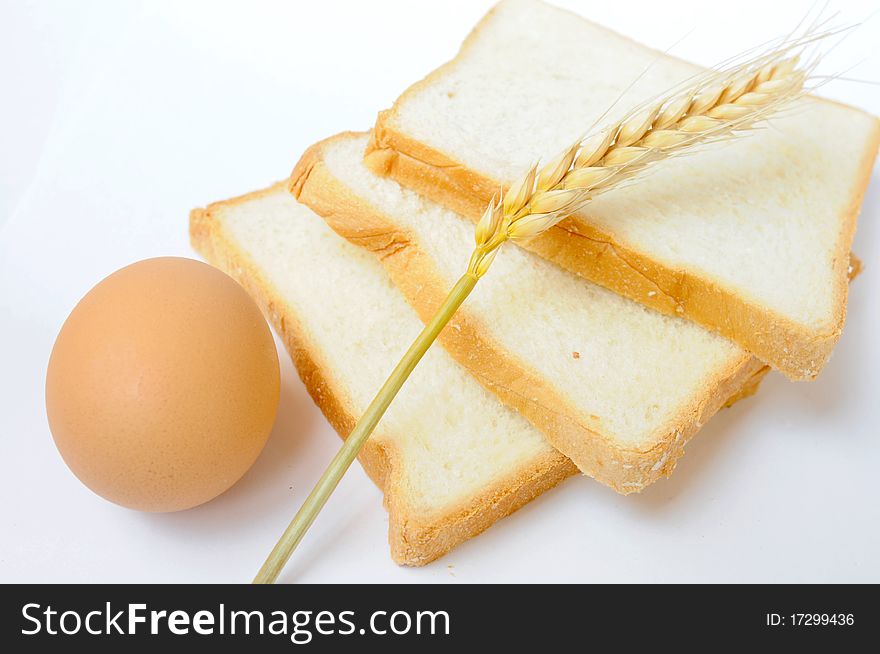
x: 614, y: 386
x: 449, y: 457
x: 749, y: 238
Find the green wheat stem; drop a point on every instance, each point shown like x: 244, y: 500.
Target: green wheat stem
x: 297, y: 528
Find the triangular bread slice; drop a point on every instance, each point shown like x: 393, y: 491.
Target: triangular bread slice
x: 449, y: 457
x: 749, y: 238
x: 614, y: 386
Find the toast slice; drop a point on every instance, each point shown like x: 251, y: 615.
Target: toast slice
x: 616, y: 387
x: 750, y: 239
x: 449, y: 457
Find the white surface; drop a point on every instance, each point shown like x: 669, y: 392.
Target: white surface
x: 118, y: 118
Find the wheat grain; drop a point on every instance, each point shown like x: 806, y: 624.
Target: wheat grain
x: 715, y: 106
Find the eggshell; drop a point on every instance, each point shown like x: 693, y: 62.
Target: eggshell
x: 163, y: 385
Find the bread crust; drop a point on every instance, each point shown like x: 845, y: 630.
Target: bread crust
x: 415, y: 538
x: 579, y: 437
x: 581, y: 247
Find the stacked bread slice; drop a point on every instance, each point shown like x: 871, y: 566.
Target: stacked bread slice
x: 541, y: 373
x: 751, y: 240
x: 615, y: 387
x: 450, y: 458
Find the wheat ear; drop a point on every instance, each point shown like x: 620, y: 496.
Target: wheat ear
x: 715, y: 106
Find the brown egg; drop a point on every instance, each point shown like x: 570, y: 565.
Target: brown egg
x: 163, y: 385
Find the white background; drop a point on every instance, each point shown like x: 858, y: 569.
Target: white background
x: 117, y: 118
